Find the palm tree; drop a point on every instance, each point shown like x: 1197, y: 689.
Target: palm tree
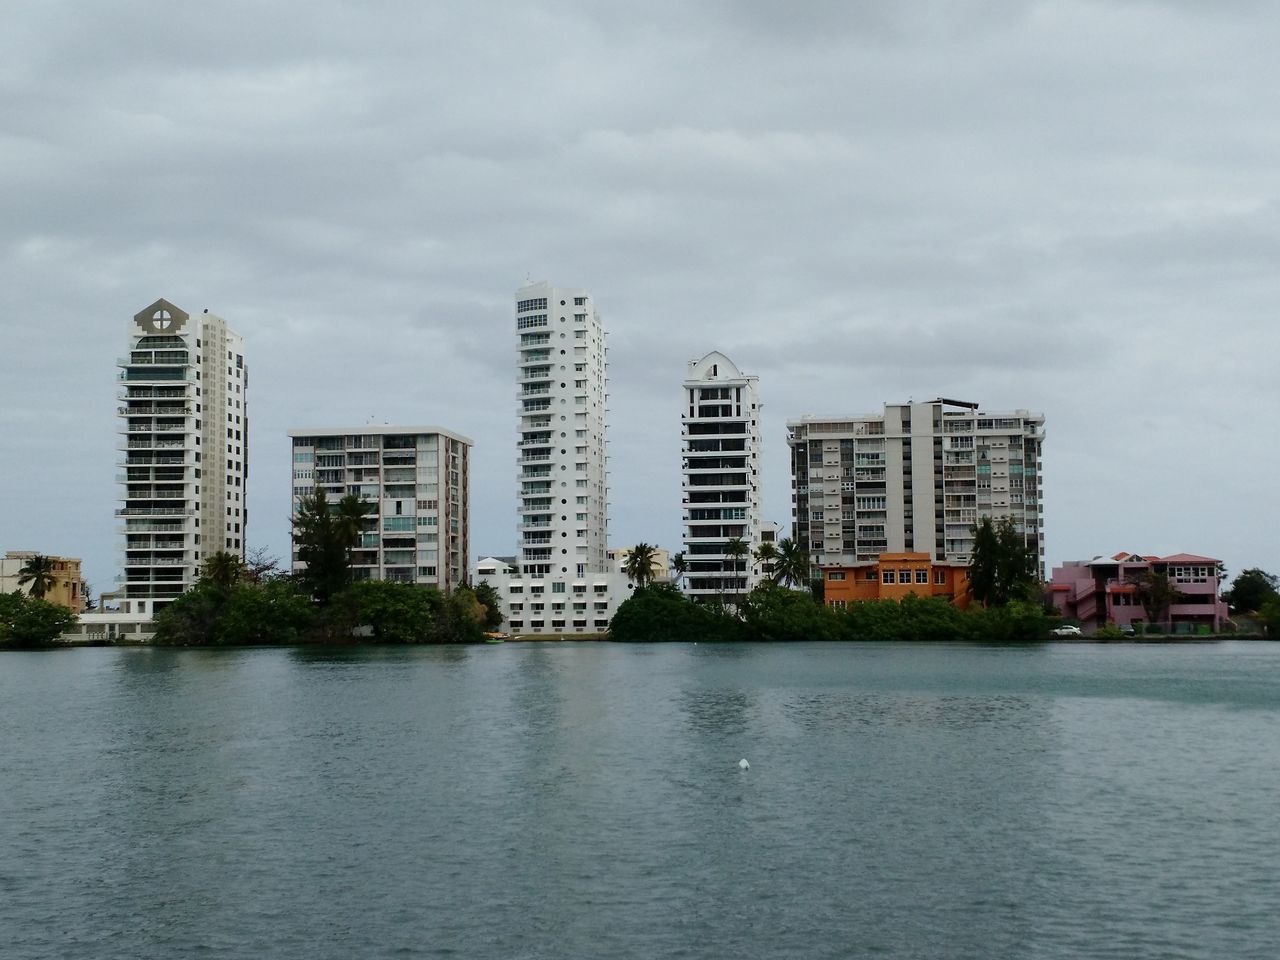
x: 766, y: 556
x: 791, y: 567
x: 1155, y: 592
x: 737, y: 550
x: 639, y: 564
x: 223, y: 570
x: 39, y: 572
x: 679, y: 566
x: 350, y: 515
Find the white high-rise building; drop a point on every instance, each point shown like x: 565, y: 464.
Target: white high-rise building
x: 562, y: 473
x: 914, y: 478
x: 416, y: 482
x: 561, y: 581
x: 720, y: 490
x: 185, y: 419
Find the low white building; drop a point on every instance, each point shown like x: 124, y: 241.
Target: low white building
x: 112, y: 626
x: 540, y: 605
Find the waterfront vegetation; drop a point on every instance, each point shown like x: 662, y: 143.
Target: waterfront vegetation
x: 234, y: 604
x: 772, y: 612
x: 31, y: 621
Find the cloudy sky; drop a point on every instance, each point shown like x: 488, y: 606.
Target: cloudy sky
x: 1069, y: 207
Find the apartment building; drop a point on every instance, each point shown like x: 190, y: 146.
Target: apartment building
x: 720, y: 488
x: 184, y: 421
x: 417, y: 481
x: 562, y: 481
x: 914, y: 479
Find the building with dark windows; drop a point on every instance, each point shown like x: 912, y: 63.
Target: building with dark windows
x: 184, y: 415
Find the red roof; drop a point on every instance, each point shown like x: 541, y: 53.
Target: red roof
x: 1185, y: 558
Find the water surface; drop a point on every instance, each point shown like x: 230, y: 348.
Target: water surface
x: 585, y: 800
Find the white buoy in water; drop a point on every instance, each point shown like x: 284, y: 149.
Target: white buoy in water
x: 743, y: 765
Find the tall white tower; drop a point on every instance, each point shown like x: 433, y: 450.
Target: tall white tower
x: 721, y: 484
x: 185, y: 420
x: 562, y: 475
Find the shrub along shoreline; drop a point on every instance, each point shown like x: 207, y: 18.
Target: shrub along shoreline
x: 659, y: 612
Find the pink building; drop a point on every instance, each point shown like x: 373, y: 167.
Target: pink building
x: 1098, y: 592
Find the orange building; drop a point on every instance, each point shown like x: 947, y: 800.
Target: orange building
x: 893, y: 576
x: 67, y: 589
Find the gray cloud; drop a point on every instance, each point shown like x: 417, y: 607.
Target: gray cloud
x: 1069, y: 207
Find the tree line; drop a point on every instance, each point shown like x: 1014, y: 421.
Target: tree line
x: 238, y: 603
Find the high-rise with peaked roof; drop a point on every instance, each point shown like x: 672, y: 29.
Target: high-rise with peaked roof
x: 720, y: 433
x: 184, y: 415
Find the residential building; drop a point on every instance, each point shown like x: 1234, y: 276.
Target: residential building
x: 1105, y: 591
x: 67, y: 589
x: 417, y: 481
x: 720, y: 490
x: 184, y: 416
x: 914, y: 479
x: 552, y: 604
x: 561, y: 454
x: 893, y: 576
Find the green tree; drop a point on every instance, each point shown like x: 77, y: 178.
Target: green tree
x: 639, y: 564
x: 1156, y: 592
x: 660, y: 612
x: 1003, y: 567
x: 30, y: 620
x: 393, y: 612
x: 772, y: 612
x: 1251, y: 589
x: 325, y: 535
x: 489, y: 598
x: 1270, y: 615
x: 223, y: 570
x: 39, y: 572
x: 679, y: 566
x: 791, y: 568
x: 766, y: 554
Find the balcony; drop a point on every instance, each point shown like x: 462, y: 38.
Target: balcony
x: 155, y: 512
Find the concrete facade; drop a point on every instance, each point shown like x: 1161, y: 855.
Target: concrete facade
x: 418, y: 481
x: 548, y: 605
x: 562, y: 375
x: 184, y: 424
x: 914, y: 478
x: 720, y: 486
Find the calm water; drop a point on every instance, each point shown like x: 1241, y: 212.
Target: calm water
x: 549, y: 800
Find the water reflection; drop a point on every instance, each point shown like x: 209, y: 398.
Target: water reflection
x: 824, y: 710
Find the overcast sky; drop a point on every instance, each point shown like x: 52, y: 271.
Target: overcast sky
x: 1069, y: 207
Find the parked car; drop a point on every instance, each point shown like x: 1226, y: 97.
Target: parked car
x: 1127, y: 630
x: 1067, y: 630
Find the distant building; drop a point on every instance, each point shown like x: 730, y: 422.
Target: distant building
x: 661, y: 565
x: 184, y: 416
x: 561, y: 581
x: 67, y: 589
x: 562, y: 481
x: 416, y: 479
x: 1101, y: 591
x: 893, y: 576
x: 540, y: 605
x: 914, y: 478
x: 720, y: 490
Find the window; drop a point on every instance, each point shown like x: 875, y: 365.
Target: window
x: 835, y: 574
x: 922, y: 576
x: 888, y: 576
x: 558, y: 587
x: 940, y: 577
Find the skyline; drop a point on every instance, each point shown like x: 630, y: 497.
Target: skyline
x: 1066, y: 208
